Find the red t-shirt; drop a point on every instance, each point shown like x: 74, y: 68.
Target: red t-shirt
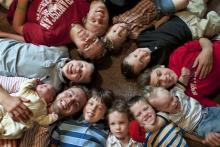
x: 201, y: 90
x: 49, y: 22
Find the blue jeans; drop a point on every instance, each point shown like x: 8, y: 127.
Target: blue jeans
x: 210, y: 121
x: 165, y: 7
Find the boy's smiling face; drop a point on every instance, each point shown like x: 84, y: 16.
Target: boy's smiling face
x: 94, y: 110
x: 143, y: 113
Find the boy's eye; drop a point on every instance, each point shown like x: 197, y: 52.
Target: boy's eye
x: 81, y: 65
x: 158, y: 73
x: 100, y: 108
x: 94, y: 39
x: 145, y: 108
x: 86, y: 46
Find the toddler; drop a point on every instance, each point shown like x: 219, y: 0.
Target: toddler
x: 186, y: 112
x: 89, y: 130
x: 118, y: 121
x: 38, y: 97
x: 156, y: 126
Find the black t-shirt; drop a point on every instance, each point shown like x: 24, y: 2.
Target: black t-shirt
x: 165, y: 39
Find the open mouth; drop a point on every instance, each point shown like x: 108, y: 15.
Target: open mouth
x: 90, y: 114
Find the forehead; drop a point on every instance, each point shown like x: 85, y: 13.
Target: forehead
x: 78, y: 91
x: 138, y: 106
x: 117, y: 115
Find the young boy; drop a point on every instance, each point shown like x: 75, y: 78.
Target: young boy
x: 186, y: 112
x: 118, y: 121
x: 155, y: 124
x: 88, y: 130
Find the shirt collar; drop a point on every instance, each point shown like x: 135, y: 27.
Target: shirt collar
x: 59, y: 68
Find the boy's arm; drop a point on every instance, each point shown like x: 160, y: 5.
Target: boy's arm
x: 20, y: 16
x: 204, y: 60
x: 212, y: 139
x: 12, y: 36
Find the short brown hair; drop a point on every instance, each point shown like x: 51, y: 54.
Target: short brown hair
x: 127, y: 70
x: 145, y: 77
x: 121, y: 106
x: 106, y: 96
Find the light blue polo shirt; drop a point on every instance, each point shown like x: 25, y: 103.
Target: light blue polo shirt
x: 32, y: 61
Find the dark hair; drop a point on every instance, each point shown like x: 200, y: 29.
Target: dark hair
x: 133, y: 100
x: 84, y: 89
x: 127, y: 70
x: 98, y: 59
x: 121, y: 106
x: 145, y: 77
x: 106, y: 96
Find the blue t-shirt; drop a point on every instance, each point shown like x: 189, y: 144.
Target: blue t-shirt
x: 79, y: 133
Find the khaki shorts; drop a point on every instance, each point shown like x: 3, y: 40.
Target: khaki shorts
x: 201, y: 27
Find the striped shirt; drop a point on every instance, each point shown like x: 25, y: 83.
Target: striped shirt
x: 167, y: 136
x: 11, y: 84
x: 79, y: 133
x: 138, y: 18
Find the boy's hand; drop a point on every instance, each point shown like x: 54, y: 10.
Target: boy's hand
x: 212, y: 139
x: 16, y: 109
x: 185, y: 75
x: 204, y: 63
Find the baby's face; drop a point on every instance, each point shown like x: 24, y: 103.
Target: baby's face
x: 165, y: 102
x: 46, y: 91
x: 117, y: 34
x: 118, y: 124
x: 143, y: 113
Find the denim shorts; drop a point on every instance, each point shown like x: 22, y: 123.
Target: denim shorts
x: 165, y: 7
x: 210, y: 121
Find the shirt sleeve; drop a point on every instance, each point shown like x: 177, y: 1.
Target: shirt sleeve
x: 11, y: 84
